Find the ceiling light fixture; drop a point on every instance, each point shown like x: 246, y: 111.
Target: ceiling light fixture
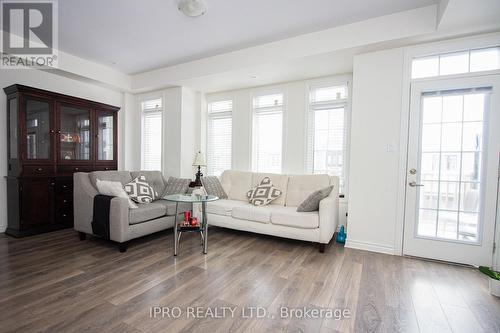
x: 192, y: 8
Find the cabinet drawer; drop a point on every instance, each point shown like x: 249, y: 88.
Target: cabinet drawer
x: 63, y: 217
x: 40, y: 170
x: 65, y: 187
x: 64, y: 202
x: 73, y: 168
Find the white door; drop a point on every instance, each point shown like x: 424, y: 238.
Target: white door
x: 452, y: 170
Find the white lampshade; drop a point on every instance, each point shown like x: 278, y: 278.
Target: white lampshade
x: 199, y: 160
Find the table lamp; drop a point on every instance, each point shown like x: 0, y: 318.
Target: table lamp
x: 199, y: 161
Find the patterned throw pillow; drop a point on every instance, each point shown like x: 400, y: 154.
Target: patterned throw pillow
x: 213, y: 186
x: 140, y: 191
x: 263, y: 193
x: 176, y: 186
x: 311, y: 203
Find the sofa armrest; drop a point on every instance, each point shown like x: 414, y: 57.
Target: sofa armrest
x: 83, y: 199
x: 119, y: 219
x: 328, y: 218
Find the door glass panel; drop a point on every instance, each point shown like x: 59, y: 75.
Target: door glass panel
x: 447, y: 224
x: 429, y: 168
x: 450, y: 165
x: 452, y: 108
x: 37, y: 130
x: 431, y: 137
x: 105, y: 143
x: 13, y: 127
x: 427, y: 222
x: 428, y: 195
x: 74, y: 139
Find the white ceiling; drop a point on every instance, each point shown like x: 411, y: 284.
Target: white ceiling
x: 135, y: 36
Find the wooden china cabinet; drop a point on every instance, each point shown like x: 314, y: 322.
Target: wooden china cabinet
x: 50, y: 136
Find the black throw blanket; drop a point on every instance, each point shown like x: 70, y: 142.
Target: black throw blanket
x: 100, y: 220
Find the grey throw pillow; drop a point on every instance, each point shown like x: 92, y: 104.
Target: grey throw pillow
x: 263, y: 193
x: 213, y: 186
x: 176, y: 186
x: 311, y: 203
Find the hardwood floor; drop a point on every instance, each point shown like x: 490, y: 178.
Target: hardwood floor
x: 56, y: 283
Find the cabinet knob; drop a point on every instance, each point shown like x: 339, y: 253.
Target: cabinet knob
x: 64, y: 215
x: 39, y: 169
x: 52, y: 131
x: 52, y: 184
x: 59, y: 132
x: 106, y: 168
x: 64, y: 186
x: 76, y: 169
x: 65, y: 201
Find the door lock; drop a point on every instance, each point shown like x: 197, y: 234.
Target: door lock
x: 413, y: 171
x: 414, y: 184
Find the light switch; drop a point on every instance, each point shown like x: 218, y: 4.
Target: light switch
x: 390, y: 148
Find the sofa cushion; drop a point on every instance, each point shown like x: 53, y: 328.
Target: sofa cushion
x: 176, y: 186
x: 279, y: 181
x: 146, y: 212
x: 236, y: 184
x: 123, y: 177
x: 253, y: 213
x: 154, y: 178
x: 288, y: 216
x: 264, y: 193
x: 224, y: 206
x: 300, y: 187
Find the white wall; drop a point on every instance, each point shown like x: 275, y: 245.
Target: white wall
x: 374, y: 160
x: 48, y: 81
x: 294, y: 125
x: 181, y: 130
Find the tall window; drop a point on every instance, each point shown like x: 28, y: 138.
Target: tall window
x: 326, y: 144
x: 152, y: 114
x: 219, y: 136
x: 267, y: 133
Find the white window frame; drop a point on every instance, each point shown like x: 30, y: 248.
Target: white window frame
x: 207, y: 125
x: 143, y: 113
x: 263, y: 92
x: 328, y: 82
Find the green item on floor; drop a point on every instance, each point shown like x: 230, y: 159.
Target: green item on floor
x: 491, y: 273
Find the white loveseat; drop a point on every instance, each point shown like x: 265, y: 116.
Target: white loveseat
x: 280, y: 218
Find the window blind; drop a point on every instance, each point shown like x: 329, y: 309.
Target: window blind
x: 267, y: 133
x: 152, y: 116
x: 219, y: 137
x: 326, y: 139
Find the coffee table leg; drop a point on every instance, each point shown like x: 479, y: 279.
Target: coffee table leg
x: 205, y: 227
x: 176, y: 239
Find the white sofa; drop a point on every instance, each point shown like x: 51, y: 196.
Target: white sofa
x: 280, y: 218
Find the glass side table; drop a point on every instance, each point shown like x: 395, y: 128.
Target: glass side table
x: 202, y: 228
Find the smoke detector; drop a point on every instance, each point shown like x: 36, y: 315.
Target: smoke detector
x: 192, y: 8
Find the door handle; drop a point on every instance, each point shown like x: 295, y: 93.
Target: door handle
x: 414, y: 184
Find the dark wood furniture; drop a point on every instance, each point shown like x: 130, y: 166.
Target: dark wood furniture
x: 50, y: 136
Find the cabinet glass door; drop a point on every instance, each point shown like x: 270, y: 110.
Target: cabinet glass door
x: 105, y: 137
x: 74, y: 134
x: 38, y: 132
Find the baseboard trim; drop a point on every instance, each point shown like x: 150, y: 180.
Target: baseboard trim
x: 3, y: 228
x: 369, y: 247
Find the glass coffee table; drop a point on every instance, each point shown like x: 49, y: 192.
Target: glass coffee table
x: 201, y: 228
